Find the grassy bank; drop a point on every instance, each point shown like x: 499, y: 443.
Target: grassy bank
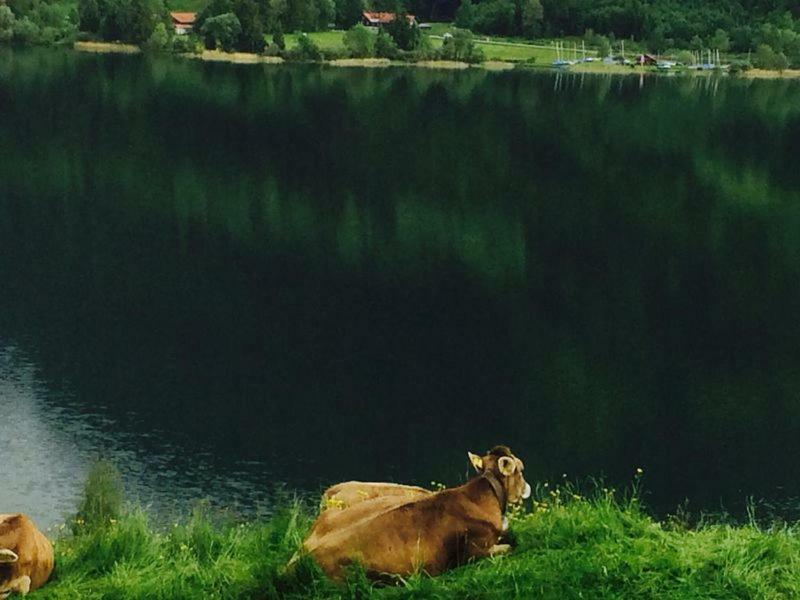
x: 567, y: 547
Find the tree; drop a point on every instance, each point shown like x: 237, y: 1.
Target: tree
x: 307, y: 49
x: 532, y: 17
x: 89, y: 15
x: 495, y: 16
x: 461, y: 46
x: 6, y: 24
x: 141, y: 20
x: 359, y: 41
x: 603, y: 46
x: 465, y: 15
x: 405, y: 33
x: 720, y: 41
x: 385, y: 46
x: 781, y: 62
x: 276, y: 14
x: 159, y: 39
x: 26, y: 32
x: 697, y: 44
x: 212, y: 9
x: 348, y: 12
x: 685, y: 57
x: 327, y: 13
x: 657, y: 40
x: 222, y: 31
x: 277, y: 37
x: 251, y: 38
x: 767, y: 58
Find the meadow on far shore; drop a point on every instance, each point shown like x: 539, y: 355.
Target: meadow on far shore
x: 500, y: 57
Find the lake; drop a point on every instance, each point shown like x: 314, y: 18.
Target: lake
x: 236, y: 279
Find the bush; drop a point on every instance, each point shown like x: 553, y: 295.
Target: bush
x: 767, y: 58
x: 272, y: 50
x: 159, y: 39
x: 739, y: 66
x: 461, y: 46
x: 425, y: 50
x: 685, y: 58
x: 6, y: 24
x: 102, y: 498
x: 359, y: 41
x: 222, y: 32
x: 26, y: 32
x: 603, y: 46
x: 50, y: 35
x: 184, y: 44
x: 306, y: 49
x: 385, y: 46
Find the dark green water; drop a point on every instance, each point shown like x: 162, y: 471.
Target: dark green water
x: 229, y: 278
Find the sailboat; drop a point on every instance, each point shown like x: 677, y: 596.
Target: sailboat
x: 560, y: 62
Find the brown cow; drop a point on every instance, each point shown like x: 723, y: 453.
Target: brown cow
x: 437, y: 531
x: 26, y: 556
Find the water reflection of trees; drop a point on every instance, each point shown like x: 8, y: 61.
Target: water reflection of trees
x: 635, y: 251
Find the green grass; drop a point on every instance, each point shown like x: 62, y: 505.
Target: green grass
x: 325, y: 40
x: 542, y: 56
x: 566, y: 547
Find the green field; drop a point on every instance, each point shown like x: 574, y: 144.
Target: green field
x: 566, y: 546
x: 512, y: 52
x: 325, y: 40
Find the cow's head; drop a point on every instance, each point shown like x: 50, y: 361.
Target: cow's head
x: 508, y: 470
x: 6, y: 558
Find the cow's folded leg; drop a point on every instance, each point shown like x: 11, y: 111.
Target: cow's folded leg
x: 21, y: 585
x: 499, y: 549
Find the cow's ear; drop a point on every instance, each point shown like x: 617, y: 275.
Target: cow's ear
x: 476, y: 461
x: 7, y: 556
x: 506, y: 465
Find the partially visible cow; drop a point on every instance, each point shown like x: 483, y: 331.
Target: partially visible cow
x: 345, y: 495
x: 26, y: 556
x: 432, y: 532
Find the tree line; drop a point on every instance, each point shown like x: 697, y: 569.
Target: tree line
x: 768, y: 28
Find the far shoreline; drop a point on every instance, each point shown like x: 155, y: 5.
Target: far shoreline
x: 450, y: 65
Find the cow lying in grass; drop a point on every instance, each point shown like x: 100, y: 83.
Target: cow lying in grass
x: 26, y: 556
x: 393, y: 534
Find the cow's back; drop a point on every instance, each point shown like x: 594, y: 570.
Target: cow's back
x: 350, y: 493
x: 336, y: 519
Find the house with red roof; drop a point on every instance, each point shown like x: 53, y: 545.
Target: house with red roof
x: 378, y: 19
x: 183, y: 22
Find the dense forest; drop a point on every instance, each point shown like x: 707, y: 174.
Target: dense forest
x: 735, y: 26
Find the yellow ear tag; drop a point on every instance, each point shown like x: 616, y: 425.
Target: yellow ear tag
x: 476, y: 460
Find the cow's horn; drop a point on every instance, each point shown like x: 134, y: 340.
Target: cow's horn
x: 7, y: 556
x: 506, y: 465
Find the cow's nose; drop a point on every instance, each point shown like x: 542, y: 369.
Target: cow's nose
x: 527, y: 493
